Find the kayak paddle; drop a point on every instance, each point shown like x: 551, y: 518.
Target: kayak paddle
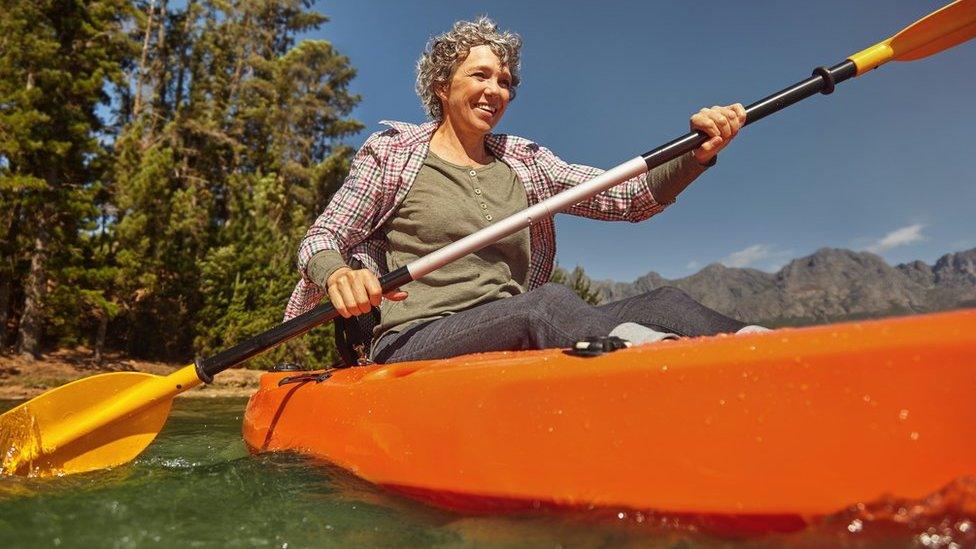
x: 108, y: 419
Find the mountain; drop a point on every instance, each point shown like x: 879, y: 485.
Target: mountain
x: 829, y: 285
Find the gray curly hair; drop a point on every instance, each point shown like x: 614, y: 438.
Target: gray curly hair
x: 446, y: 52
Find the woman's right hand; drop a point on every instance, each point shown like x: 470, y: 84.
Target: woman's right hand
x: 356, y: 292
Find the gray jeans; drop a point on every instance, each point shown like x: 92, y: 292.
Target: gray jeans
x: 549, y: 316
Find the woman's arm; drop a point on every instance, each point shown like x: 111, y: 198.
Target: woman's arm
x: 347, y: 220
x: 633, y: 200
x: 646, y: 195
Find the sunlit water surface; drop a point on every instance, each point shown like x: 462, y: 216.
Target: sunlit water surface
x: 197, y: 486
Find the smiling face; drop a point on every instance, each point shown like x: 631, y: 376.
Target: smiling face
x: 477, y: 95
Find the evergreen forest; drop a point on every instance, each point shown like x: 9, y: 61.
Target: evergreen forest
x: 159, y: 163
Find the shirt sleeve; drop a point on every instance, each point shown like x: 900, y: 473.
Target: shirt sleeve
x: 633, y: 200
x: 349, y: 217
x: 323, y: 264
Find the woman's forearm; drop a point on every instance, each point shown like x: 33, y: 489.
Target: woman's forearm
x: 669, y: 179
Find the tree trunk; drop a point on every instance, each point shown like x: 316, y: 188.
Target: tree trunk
x: 100, y: 336
x: 9, y: 251
x: 242, y: 57
x: 31, y: 323
x: 184, y: 56
x: 6, y: 288
x: 141, y: 70
x: 156, y: 76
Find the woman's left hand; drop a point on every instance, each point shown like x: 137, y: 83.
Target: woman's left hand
x: 721, y: 124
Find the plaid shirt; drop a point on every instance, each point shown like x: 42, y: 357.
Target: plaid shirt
x: 385, y: 168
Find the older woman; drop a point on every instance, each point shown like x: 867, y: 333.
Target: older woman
x: 413, y: 189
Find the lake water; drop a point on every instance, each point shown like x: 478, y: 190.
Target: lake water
x: 197, y: 486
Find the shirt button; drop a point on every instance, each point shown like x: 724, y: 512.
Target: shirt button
x: 472, y: 173
x: 488, y: 217
x: 484, y: 206
x: 477, y: 191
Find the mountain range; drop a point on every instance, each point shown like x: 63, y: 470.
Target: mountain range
x: 826, y: 286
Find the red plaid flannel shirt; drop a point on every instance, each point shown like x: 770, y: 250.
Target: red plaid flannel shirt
x: 385, y: 168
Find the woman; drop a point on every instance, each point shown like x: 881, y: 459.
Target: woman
x: 413, y: 189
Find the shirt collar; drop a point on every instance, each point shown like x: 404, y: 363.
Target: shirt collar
x: 411, y: 135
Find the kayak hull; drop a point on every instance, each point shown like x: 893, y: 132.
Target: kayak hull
x: 792, y: 422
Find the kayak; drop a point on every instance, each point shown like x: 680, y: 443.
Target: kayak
x: 805, y: 421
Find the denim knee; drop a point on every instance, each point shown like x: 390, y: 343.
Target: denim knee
x: 555, y: 299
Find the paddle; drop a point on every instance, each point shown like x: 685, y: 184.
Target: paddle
x: 109, y: 419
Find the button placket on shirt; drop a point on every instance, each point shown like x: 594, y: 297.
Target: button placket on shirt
x: 478, y: 192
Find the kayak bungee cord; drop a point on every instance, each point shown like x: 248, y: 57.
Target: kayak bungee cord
x: 77, y: 427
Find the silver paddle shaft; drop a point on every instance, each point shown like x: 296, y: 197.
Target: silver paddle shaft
x: 516, y: 222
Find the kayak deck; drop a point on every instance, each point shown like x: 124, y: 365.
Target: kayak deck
x: 792, y: 422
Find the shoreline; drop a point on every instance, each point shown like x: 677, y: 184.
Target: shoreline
x: 22, y: 378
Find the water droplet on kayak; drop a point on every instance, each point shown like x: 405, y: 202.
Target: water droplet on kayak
x: 664, y: 368
x: 903, y: 415
x: 866, y: 398
x: 621, y: 516
x: 551, y: 429
x: 855, y: 526
x: 914, y: 435
x: 741, y: 396
x: 721, y: 402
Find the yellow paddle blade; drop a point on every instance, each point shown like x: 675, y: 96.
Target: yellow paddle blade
x: 938, y: 31
x: 88, y: 424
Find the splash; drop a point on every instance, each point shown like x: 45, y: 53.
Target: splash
x: 20, y: 443
x: 945, y: 518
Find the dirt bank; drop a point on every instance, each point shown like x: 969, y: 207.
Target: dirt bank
x: 24, y: 378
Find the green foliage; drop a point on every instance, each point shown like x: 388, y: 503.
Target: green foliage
x: 178, y: 230
x: 222, y: 168
x: 57, y: 58
x: 578, y: 282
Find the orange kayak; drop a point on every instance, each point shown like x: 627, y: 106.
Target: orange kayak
x: 792, y: 422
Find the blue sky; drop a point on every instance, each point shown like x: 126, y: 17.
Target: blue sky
x: 887, y: 163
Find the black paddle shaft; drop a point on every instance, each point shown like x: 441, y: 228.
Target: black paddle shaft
x: 822, y: 81
x: 294, y: 327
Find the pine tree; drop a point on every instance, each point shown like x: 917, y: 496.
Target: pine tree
x: 578, y: 282
x: 56, y: 59
x: 231, y: 147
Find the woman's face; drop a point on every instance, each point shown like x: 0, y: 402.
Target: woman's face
x: 478, y: 93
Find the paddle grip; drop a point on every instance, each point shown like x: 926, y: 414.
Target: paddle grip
x: 822, y: 81
x: 208, y: 367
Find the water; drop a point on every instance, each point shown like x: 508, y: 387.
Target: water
x: 197, y: 486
